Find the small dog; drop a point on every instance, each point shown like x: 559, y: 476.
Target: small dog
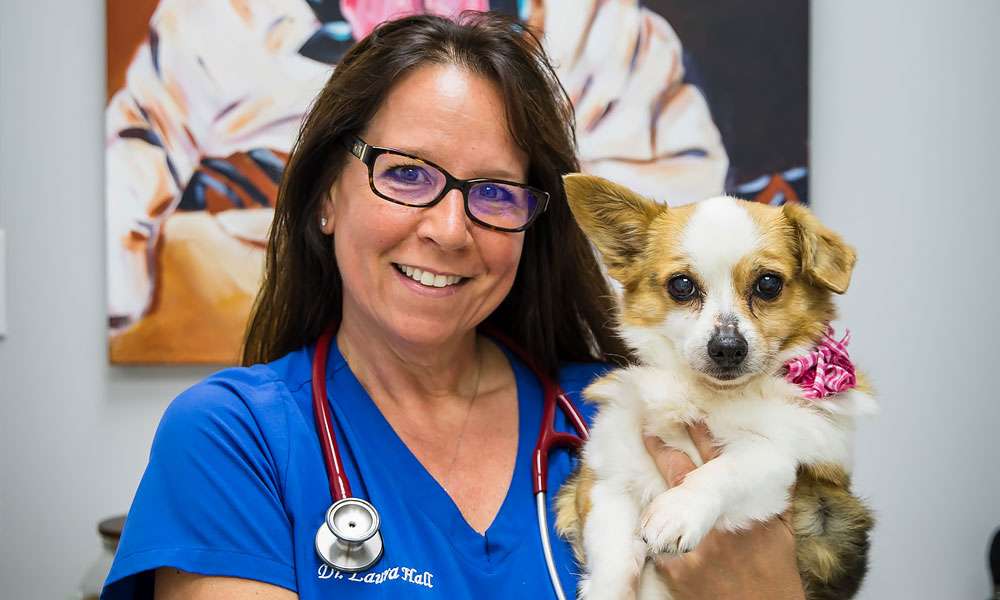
x: 720, y: 301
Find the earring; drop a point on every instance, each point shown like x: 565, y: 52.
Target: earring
x: 323, y: 222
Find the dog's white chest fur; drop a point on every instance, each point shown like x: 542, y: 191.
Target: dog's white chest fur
x: 764, y: 431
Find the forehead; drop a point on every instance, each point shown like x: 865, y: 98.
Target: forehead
x: 721, y: 236
x: 451, y: 116
x: 719, y: 233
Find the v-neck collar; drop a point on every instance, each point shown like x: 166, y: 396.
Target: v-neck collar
x: 506, y: 532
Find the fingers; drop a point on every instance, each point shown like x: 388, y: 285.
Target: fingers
x: 787, y: 519
x: 672, y: 463
x: 703, y: 441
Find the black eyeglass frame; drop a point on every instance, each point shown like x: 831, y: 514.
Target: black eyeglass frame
x: 367, y: 154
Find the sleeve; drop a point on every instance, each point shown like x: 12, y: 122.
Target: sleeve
x: 211, y: 499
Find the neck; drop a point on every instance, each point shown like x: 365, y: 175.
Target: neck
x: 407, y: 374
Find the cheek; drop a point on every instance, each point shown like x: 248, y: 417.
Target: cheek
x: 501, y: 254
x: 364, y: 223
x: 794, y: 319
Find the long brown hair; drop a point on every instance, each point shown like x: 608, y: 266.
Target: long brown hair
x: 559, y: 308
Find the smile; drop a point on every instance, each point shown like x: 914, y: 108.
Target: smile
x: 427, y: 278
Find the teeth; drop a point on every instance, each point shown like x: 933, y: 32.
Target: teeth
x: 427, y: 278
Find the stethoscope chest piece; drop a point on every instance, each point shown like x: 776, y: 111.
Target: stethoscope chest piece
x: 349, y: 540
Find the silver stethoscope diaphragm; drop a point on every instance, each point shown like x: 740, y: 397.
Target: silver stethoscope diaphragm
x: 349, y: 540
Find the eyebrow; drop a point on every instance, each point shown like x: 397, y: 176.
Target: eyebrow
x: 484, y: 174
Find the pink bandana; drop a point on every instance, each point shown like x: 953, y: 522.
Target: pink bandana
x: 826, y: 370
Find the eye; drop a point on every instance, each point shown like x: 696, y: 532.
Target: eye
x: 768, y: 286
x: 493, y: 192
x: 409, y: 174
x: 682, y: 288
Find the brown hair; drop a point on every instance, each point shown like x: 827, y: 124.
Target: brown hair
x: 559, y: 308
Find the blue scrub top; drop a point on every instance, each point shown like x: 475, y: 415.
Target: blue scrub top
x: 236, y: 487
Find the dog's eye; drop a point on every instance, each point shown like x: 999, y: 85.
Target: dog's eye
x: 768, y: 287
x: 681, y: 288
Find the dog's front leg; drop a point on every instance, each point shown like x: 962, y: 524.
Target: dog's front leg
x: 749, y: 480
x: 615, y: 554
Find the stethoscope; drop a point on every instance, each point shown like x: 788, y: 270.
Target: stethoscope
x: 350, y: 539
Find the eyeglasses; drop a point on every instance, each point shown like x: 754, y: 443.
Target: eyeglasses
x: 412, y: 181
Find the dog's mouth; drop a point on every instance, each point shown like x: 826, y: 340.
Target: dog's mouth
x: 725, y: 377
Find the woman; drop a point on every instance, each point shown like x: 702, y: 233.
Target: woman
x: 435, y: 421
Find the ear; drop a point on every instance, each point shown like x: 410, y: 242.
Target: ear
x: 823, y: 255
x: 326, y: 214
x: 614, y: 217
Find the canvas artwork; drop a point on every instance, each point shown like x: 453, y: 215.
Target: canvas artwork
x: 677, y: 99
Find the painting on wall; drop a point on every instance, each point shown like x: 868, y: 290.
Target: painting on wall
x: 679, y: 100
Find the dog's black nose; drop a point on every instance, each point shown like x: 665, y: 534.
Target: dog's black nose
x: 727, y: 348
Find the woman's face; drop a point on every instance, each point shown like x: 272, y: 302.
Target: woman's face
x: 456, y: 119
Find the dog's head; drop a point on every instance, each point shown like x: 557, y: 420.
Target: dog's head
x: 729, y: 288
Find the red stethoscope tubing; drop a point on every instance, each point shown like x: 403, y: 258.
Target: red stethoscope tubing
x: 339, y: 486
x: 548, y: 437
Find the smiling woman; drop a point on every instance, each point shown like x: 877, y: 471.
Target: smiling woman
x: 423, y: 202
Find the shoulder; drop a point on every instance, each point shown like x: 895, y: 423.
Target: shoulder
x: 575, y: 376
x: 229, y: 394
x: 235, y: 403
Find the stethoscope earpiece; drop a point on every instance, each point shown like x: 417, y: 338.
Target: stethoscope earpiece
x: 349, y: 539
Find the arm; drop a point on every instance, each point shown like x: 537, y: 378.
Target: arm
x: 174, y: 584
x: 211, y: 499
x: 757, y: 563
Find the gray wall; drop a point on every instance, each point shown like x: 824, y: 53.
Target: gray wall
x: 905, y: 148
x: 904, y: 145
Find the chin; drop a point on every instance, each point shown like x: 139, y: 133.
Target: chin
x: 714, y: 294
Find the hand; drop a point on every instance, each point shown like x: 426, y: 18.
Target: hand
x: 758, y: 563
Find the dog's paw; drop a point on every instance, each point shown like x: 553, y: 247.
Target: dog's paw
x: 676, y: 520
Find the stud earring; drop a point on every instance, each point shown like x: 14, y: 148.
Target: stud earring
x: 322, y: 222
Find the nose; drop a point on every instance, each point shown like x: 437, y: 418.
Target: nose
x: 445, y: 223
x: 727, y: 347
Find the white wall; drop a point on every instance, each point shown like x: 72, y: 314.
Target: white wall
x: 904, y: 146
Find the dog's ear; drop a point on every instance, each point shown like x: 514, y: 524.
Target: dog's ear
x: 614, y: 218
x: 823, y: 255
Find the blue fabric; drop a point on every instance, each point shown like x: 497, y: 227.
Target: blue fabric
x: 236, y: 486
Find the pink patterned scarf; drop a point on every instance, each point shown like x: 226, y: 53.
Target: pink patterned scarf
x: 825, y: 370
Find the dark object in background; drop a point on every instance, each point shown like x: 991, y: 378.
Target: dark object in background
x: 110, y: 531
x: 752, y: 63
x: 995, y: 564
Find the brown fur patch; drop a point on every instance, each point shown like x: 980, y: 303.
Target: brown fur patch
x: 798, y: 316
x: 831, y: 529
x: 572, y: 508
x: 646, y: 301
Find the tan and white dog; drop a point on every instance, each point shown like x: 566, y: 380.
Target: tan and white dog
x: 716, y: 297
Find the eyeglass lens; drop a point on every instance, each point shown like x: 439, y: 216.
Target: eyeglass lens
x: 411, y: 181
